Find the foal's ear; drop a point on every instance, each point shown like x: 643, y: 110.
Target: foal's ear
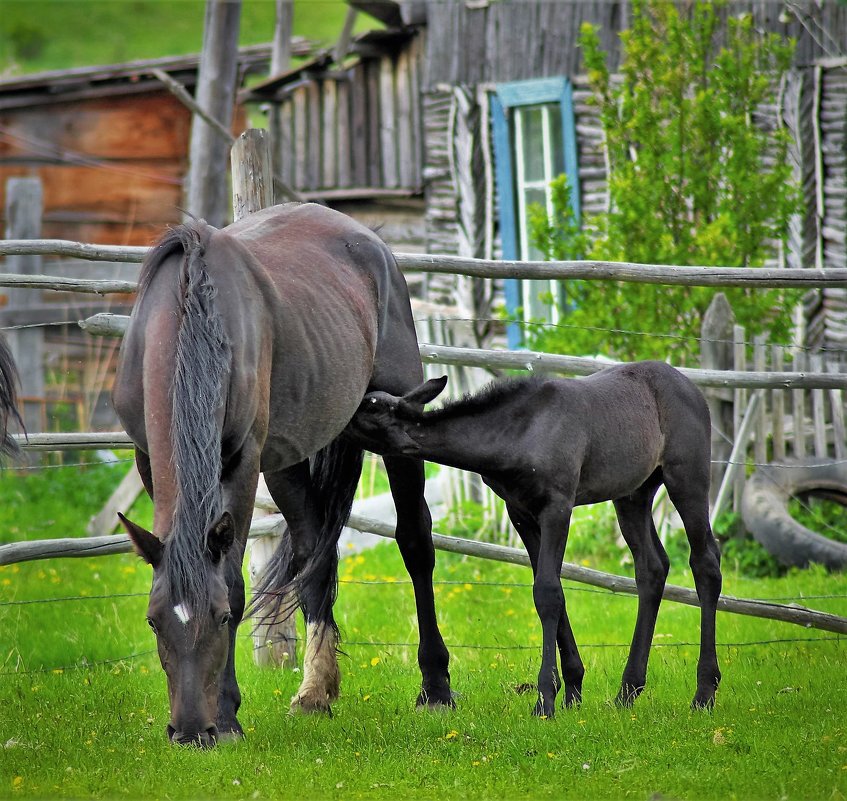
x: 427, y: 391
x: 220, y: 537
x: 148, y: 546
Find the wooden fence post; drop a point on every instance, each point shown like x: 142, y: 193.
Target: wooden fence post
x: 274, y: 642
x: 24, y: 205
x: 716, y: 354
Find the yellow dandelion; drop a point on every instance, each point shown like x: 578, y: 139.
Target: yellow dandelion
x: 17, y: 781
x: 375, y: 661
x: 452, y: 734
x: 467, y: 587
x: 365, y: 698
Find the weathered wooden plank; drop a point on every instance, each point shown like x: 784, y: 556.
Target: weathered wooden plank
x: 836, y: 400
x: 818, y: 410
x: 778, y: 406
x: 760, y: 359
x: 374, y: 127
x: 314, y: 142
x: 798, y: 402
x: 403, y: 111
x: 301, y: 137
x: 343, y: 142
x: 329, y: 132
x: 388, y: 124
x: 739, y: 413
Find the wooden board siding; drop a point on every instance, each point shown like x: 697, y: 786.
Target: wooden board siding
x: 356, y: 129
x: 516, y: 40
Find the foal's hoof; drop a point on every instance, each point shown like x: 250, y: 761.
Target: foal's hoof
x: 626, y: 695
x: 704, y: 700
x: 303, y: 704
x: 436, y: 700
x: 573, y: 699
x: 544, y: 710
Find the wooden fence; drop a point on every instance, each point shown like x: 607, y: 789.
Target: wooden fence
x: 827, y: 381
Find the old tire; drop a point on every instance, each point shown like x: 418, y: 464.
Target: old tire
x: 764, y: 509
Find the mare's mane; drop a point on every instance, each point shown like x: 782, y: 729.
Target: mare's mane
x: 200, y: 378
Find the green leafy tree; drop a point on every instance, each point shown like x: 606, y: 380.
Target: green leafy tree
x: 694, y: 179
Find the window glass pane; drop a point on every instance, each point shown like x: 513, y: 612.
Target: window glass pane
x: 532, y: 144
x: 557, y: 143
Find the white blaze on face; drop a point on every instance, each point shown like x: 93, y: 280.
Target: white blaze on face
x: 182, y: 613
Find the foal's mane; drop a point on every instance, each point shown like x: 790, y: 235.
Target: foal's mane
x: 490, y: 395
x: 201, y: 366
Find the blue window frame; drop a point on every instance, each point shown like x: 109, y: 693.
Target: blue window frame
x: 534, y: 141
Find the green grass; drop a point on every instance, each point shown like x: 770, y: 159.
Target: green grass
x: 76, y: 724
x: 56, y: 34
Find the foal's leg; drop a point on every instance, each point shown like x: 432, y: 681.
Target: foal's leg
x: 651, y: 571
x: 550, y: 599
x: 572, y: 668
x: 414, y: 538
x: 291, y: 490
x: 690, y: 497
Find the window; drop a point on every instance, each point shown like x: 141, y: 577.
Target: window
x: 534, y: 141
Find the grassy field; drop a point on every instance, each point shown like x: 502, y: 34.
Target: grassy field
x: 84, y: 706
x: 55, y: 34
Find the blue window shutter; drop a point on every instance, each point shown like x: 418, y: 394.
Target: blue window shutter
x: 508, y: 230
x: 527, y: 93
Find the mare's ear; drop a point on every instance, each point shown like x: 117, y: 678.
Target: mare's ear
x: 427, y: 391
x: 220, y: 537
x: 148, y: 546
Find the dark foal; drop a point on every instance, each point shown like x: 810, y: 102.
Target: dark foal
x: 545, y: 445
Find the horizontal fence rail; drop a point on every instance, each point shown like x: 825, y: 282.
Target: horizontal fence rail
x: 115, y: 325
x: 485, y: 268
x: 271, y: 525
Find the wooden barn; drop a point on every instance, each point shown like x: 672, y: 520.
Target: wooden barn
x: 427, y: 125
x: 109, y: 146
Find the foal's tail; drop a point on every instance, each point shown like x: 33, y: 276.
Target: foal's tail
x: 284, y: 585
x: 8, y: 400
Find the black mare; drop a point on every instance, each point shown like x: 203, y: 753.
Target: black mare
x: 249, y: 349
x: 545, y: 445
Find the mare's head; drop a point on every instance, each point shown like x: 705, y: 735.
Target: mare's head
x: 190, y: 616
x: 383, y: 421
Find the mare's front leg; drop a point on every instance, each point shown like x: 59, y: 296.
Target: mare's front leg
x: 550, y: 599
x: 573, y: 670
x: 651, y: 571
x: 292, y: 492
x: 239, y: 487
x: 414, y: 538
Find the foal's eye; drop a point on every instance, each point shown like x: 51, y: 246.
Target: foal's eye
x: 152, y: 625
x: 225, y: 618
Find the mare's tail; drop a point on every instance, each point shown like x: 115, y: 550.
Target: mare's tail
x: 335, y: 476
x: 8, y: 400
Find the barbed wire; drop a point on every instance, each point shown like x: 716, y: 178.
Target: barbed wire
x: 569, y: 585
x: 86, y: 665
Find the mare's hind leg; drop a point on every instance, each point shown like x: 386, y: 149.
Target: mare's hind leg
x: 291, y: 490
x: 689, y: 495
x: 414, y: 538
x: 651, y: 571
x: 573, y: 670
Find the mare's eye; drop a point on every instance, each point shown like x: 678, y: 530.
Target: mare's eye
x: 152, y: 625
x: 225, y: 618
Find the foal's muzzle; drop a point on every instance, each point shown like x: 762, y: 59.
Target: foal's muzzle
x: 202, y: 739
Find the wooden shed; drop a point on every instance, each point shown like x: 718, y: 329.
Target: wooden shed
x: 419, y: 127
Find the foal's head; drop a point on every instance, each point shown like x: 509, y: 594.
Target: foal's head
x: 382, y: 422
x: 192, y: 631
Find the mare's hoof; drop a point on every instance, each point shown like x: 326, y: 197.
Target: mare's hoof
x: 310, y: 705
x: 573, y: 699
